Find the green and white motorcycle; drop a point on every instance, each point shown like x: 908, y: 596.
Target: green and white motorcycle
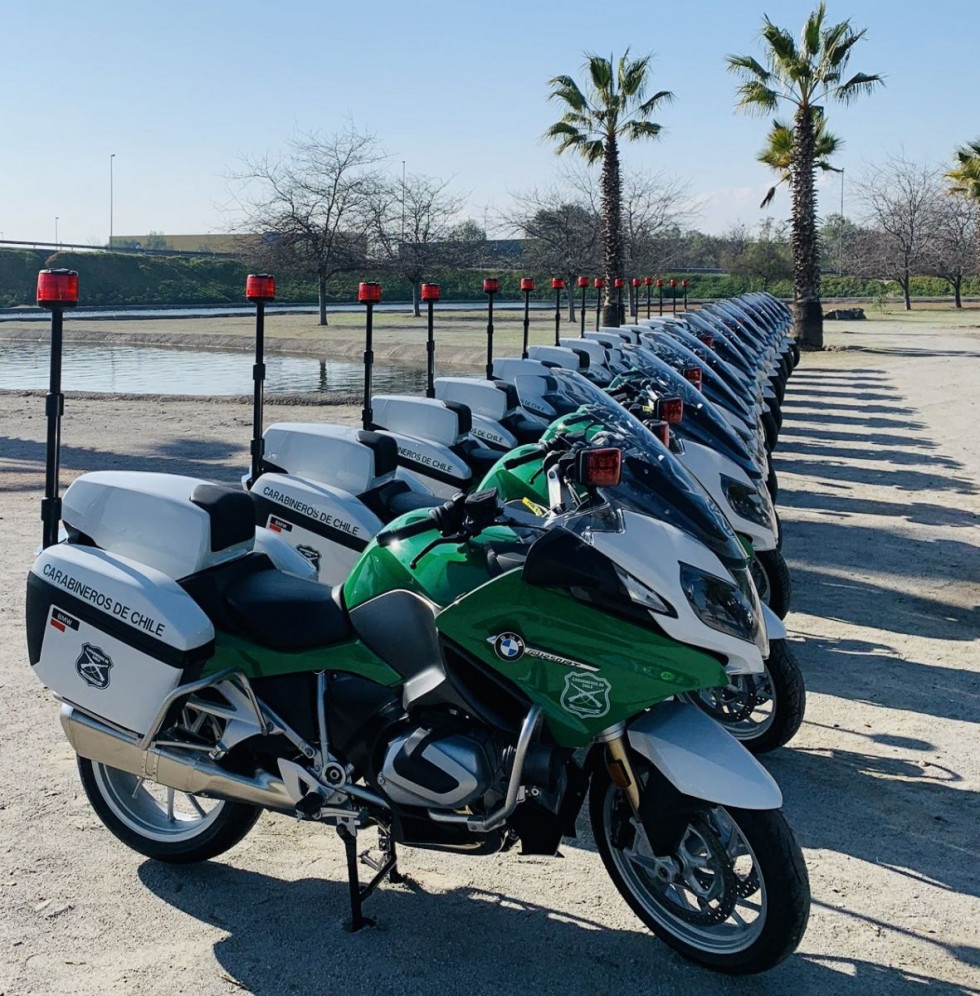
x: 443, y: 694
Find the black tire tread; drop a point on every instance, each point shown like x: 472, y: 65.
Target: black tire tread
x: 790, y: 689
x: 780, y: 582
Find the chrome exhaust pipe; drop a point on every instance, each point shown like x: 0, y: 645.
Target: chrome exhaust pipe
x: 186, y: 772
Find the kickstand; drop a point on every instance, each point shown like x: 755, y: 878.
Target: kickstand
x: 385, y: 868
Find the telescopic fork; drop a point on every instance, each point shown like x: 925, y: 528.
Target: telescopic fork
x: 56, y: 291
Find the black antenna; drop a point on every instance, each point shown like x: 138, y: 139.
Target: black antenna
x: 259, y: 288
x: 527, y: 285
x: 557, y: 285
x: 599, y: 284
x: 368, y: 294
x: 56, y: 291
x: 583, y: 283
x: 490, y: 287
x: 430, y: 294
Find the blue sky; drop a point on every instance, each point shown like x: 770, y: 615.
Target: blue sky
x: 179, y: 90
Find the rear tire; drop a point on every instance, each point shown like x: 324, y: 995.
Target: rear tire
x: 150, y: 824
x: 739, y: 857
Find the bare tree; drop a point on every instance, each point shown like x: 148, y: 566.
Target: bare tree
x: 561, y: 233
x: 900, y: 198
x: 764, y: 257
x: 413, y: 227
x: 953, y: 253
x: 311, y: 206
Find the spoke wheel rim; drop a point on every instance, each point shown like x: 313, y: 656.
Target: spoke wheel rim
x: 154, y: 811
x: 671, y: 904
x: 746, y: 707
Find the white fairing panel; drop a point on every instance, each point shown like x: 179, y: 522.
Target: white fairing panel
x: 326, y: 525
x: 331, y: 454
x: 701, y: 759
x: 480, y: 396
x: 148, y: 518
x: 651, y: 551
x: 426, y: 418
x: 102, y: 673
x: 775, y: 627
x: 707, y: 465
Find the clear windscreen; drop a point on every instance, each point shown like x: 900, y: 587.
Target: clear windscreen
x: 653, y: 481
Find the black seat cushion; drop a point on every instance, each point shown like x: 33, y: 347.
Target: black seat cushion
x: 283, y: 612
x: 525, y: 429
x: 249, y: 597
x: 479, y: 458
x: 395, y: 498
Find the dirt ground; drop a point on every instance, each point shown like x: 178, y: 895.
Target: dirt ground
x: 878, y: 462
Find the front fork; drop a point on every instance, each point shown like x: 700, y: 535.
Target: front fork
x: 618, y: 764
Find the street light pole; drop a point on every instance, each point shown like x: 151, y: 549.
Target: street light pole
x: 840, y: 230
x: 56, y: 231
x: 112, y: 156
x: 403, y: 200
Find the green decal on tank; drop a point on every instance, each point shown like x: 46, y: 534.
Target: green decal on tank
x: 587, y: 669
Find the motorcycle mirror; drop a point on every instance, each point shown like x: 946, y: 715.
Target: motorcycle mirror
x: 599, y: 468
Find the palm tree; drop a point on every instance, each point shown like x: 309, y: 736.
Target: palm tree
x: 805, y: 77
x: 966, y: 176
x: 778, y: 153
x: 612, y: 106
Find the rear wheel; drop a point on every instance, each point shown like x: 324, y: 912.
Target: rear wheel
x: 734, y: 895
x: 162, y: 823
x: 772, y: 580
x: 763, y: 711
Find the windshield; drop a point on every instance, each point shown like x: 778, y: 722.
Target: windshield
x: 673, y: 352
x: 702, y: 422
x: 653, y: 481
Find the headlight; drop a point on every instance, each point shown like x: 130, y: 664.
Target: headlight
x: 640, y: 594
x: 722, y: 605
x: 748, y: 502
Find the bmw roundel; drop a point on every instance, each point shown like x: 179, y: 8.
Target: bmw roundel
x: 507, y: 646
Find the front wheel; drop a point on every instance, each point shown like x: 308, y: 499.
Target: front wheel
x: 763, y: 711
x: 772, y: 580
x: 733, y: 895
x: 163, y: 823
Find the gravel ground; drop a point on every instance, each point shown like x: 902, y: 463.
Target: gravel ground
x: 878, y: 464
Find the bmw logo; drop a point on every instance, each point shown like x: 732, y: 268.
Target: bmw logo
x: 507, y: 646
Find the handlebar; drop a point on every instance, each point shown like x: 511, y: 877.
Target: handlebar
x: 535, y: 453
x: 388, y: 537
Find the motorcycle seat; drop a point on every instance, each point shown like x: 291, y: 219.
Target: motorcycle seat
x: 250, y: 598
x: 395, y: 498
x: 479, y: 458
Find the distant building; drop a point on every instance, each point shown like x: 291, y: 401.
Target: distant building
x: 223, y: 243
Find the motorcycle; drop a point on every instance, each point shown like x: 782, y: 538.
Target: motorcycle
x: 200, y: 685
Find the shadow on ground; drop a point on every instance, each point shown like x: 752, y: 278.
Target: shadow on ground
x: 281, y: 936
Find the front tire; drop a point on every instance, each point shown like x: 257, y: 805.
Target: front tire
x: 161, y: 823
x: 730, y: 861
x: 762, y: 711
x: 772, y: 580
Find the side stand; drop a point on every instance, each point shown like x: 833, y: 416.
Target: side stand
x: 384, y: 868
